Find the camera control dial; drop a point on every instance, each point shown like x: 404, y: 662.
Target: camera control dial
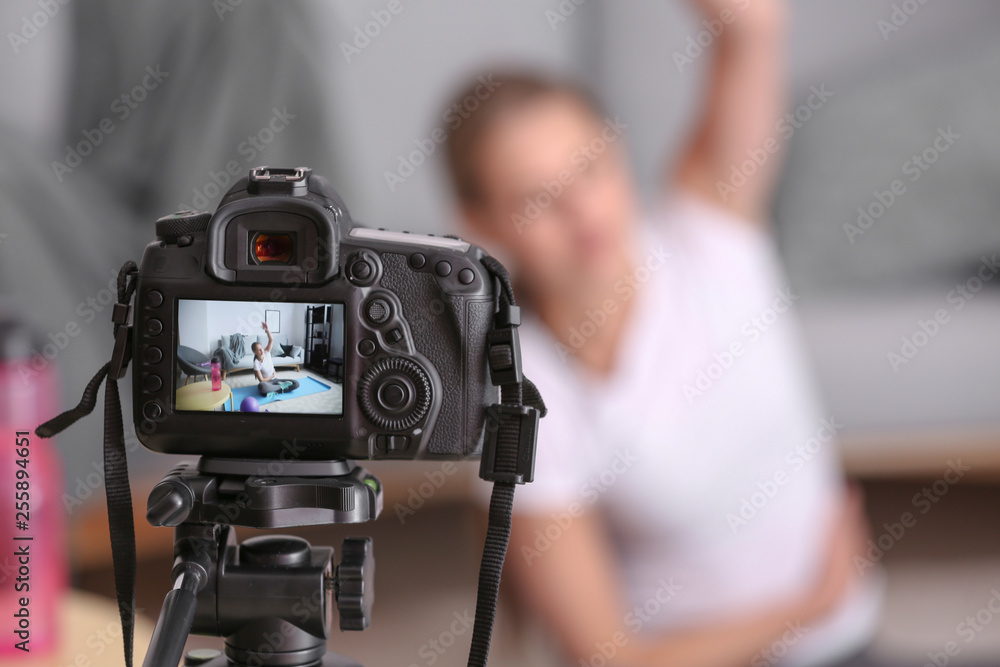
x: 394, y: 394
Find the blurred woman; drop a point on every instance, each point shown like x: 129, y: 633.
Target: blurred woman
x: 688, y: 507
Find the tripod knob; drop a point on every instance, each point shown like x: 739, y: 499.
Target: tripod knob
x: 170, y: 503
x: 356, y: 583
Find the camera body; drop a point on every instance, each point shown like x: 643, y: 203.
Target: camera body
x: 386, y: 332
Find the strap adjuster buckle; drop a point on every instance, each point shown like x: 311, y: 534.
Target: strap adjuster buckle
x: 509, y: 446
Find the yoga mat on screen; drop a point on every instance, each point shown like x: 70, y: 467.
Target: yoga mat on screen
x: 307, y: 385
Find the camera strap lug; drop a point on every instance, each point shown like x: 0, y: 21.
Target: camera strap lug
x: 122, y: 354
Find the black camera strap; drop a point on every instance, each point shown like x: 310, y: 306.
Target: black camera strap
x: 117, y: 489
x: 508, y: 452
x: 507, y: 459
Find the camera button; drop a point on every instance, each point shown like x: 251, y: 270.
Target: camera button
x: 398, y: 443
x: 378, y: 311
x: 366, y: 347
x: 466, y: 276
x: 443, y: 268
x: 393, y: 395
x: 152, y: 383
x: 417, y: 260
x: 361, y: 270
x: 152, y: 410
x: 153, y: 355
x: 154, y: 327
x: 154, y: 298
x: 392, y: 443
x: 394, y: 335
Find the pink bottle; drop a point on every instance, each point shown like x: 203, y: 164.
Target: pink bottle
x: 33, y: 570
x: 216, y: 374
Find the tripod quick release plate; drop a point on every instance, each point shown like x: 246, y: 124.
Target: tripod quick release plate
x: 244, y: 493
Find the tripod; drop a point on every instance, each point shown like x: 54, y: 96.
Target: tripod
x: 271, y: 596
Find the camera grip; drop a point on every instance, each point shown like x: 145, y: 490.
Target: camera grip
x: 450, y: 331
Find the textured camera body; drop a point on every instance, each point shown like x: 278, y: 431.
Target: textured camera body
x: 417, y: 311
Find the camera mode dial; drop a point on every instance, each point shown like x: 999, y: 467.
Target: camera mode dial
x: 171, y: 227
x: 394, y: 394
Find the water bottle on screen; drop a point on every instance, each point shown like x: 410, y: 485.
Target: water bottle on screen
x: 216, y: 374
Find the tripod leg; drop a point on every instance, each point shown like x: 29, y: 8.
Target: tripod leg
x: 174, y: 625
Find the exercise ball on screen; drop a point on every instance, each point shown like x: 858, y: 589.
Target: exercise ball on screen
x: 249, y: 404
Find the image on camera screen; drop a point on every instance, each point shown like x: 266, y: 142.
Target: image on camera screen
x: 249, y: 356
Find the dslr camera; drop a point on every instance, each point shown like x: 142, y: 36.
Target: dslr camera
x: 279, y: 342
x: 390, y: 330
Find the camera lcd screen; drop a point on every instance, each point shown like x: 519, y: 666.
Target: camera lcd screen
x: 249, y: 356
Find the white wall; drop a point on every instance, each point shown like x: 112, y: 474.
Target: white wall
x: 202, y: 324
x: 192, y: 322
x: 394, y: 92
x: 34, y: 67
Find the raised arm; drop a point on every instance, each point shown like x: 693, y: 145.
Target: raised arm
x: 744, y: 102
x: 270, y: 338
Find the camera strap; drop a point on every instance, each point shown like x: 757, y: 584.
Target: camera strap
x: 117, y: 489
x: 507, y: 459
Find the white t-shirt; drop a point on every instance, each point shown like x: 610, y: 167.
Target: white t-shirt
x: 265, y: 365
x: 705, y: 449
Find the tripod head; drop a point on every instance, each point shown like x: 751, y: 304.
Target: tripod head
x: 270, y: 597
x: 265, y: 493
